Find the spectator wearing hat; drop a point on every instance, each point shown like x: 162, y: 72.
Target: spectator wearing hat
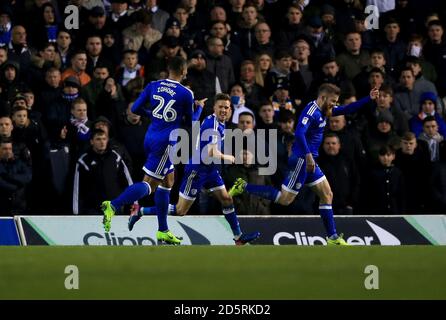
x: 56, y: 115
x: 95, y: 23
x: 219, y: 64
x: 159, y: 16
x: 291, y: 29
x: 410, y: 158
x: 428, y: 102
x: 381, y: 135
x: 10, y: 84
x: 368, y: 37
x: 140, y: 36
x: 172, y: 29
x: 354, y: 58
x: 201, y: 80
x: 78, y: 68
x: 156, y: 68
x: 393, y: 46
x: 5, y: 25
x: 322, y: 45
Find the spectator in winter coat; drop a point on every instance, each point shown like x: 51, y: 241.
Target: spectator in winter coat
x: 15, y: 175
x: 100, y: 174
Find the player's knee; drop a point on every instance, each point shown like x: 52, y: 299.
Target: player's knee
x: 227, y: 200
x: 328, y: 196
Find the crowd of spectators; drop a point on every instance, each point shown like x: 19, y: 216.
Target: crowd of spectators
x: 68, y: 138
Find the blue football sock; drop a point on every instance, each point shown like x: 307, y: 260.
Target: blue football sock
x: 266, y: 192
x: 231, y: 217
x: 148, y: 211
x: 326, y: 212
x: 133, y: 193
x: 162, y: 197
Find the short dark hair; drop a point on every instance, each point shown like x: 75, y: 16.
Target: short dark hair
x: 97, y: 132
x: 222, y: 96
x: 246, y: 113
x: 407, y: 136
x: 386, y: 89
x: 286, y: 115
x: 429, y: 119
x: 177, y: 65
x: 332, y: 135
x: 436, y: 23
x: 387, y: 149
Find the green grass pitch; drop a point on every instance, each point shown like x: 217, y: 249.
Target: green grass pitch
x: 213, y: 272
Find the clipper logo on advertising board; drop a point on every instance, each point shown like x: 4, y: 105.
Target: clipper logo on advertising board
x: 301, y: 238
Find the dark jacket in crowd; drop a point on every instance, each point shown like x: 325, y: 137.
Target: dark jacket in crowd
x: 98, y: 177
x: 15, y: 175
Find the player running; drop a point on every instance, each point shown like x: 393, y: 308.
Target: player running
x: 302, y: 166
x: 167, y: 103
x: 205, y: 173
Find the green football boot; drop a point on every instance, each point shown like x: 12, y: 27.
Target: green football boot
x: 238, y: 188
x: 109, y: 212
x: 339, y: 241
x: 167, y: 237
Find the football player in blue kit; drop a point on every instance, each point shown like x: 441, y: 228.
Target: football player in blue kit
x: 202, y: 172
x: 302, y: 166
x: 167, y: 103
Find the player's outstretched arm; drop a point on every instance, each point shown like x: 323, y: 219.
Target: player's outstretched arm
x: 355, y: 106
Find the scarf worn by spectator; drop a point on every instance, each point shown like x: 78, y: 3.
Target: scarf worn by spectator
x: 83, y: 132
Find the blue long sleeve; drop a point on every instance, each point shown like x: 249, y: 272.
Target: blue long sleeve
x: 144, y: 98
x: 352, y: 107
